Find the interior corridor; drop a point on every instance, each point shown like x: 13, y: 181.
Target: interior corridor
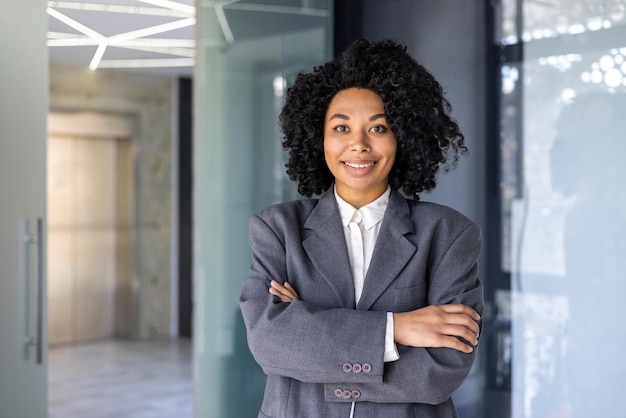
x: 121, y: 378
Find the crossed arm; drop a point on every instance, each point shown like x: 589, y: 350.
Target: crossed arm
x: 453, y: 325
x: 284, y: 337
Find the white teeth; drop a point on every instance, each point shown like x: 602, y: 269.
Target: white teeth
x: 359, y: 165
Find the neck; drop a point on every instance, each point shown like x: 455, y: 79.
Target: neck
x: 360, y: 198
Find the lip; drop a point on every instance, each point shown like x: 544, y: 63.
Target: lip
x: 359, y: 168
x: 359, y: 165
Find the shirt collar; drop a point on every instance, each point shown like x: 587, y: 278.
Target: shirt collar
x: 372, y: 213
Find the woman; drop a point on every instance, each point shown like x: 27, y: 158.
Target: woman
x: 364, y: 303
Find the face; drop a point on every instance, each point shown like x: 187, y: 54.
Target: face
x: 359, y: 146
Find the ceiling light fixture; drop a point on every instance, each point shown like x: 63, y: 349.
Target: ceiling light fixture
x: 74, y: 24
x: 153, y: 30
x: 64, y: 39
x: 221, y: 18
x: 115, y: 8
x: 147, y: 63
x: 136, y: 39
x: 70, y: 40
x: 97, y: 57
x: 116, y: 40
x: 268, y: 8
x: 171, y: 5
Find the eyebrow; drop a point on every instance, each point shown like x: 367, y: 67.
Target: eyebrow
x: 345, y: 117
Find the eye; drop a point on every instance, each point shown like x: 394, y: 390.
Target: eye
x: 341, y: 128
x: 378, y: 129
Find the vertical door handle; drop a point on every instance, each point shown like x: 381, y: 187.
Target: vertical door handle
x: 34, y: 310
x: 39, y: 317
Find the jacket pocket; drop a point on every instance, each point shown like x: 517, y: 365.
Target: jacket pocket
x: 408, y: 298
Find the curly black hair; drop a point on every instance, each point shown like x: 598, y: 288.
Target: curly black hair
x: 415, y: 107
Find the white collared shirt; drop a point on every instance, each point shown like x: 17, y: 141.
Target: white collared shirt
x: 369, y: 219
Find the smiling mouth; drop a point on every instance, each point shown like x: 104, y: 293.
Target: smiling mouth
x: 352, y: 165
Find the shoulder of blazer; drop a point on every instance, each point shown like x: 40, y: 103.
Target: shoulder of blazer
x: 427, y: 215
x: 410, y: 216
x: 296, y: 211
x: 436, y: 210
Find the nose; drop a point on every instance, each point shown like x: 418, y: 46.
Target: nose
x: 360, y: 142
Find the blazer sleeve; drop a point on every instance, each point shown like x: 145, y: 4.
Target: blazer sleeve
x: 301, y: 340
x: 431, y: 375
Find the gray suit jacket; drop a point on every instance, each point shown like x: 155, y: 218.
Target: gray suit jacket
x: 323, y: 352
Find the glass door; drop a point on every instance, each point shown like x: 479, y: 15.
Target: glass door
x: 23, y: 112
x: 562, y: 240
x: 248, y: 53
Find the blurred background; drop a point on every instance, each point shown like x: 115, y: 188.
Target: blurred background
x: 138, y: 137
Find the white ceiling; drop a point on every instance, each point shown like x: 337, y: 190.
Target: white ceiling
x: 149, y: 36
x: 157, y: 36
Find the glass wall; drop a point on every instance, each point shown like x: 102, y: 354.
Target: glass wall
x: 563, y: 234
x: 248, y: 52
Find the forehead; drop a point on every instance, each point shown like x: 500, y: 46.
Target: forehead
x: 356, y: 99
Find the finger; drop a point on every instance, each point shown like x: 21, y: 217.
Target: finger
x: 278, y: 287
x: 460, y: 309
x: 285, y: 292
x: 438, y: 340
x: 442, y: 315
x: 456, y: 344
x: 292, y: 292
x: 275, y: 284
x: 464, y: 321
x: 462, y: 332
x: 282, y: 297
x: 459, y: 326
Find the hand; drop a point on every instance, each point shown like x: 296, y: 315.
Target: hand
x: 438, y: 326
x: 285, y: 292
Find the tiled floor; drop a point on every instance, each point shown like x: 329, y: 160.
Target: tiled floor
x: 121, y: 379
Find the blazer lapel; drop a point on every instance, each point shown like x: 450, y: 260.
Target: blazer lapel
x: 392, y: 251
x: 327, y: 250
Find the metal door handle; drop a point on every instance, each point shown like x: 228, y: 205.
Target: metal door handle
x: 35, y: 239
x: 40, y: 291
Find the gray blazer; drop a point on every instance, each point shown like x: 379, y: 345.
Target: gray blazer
x: 323, y: 352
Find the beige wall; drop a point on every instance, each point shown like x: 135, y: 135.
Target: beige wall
x: 147, y: 101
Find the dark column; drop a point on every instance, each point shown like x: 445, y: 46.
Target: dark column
x: 185, y: 208
x: 347, y: 24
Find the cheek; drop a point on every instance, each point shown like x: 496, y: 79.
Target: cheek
x: 329, y: 151
x: 392, y: 151
x: 327, y: 154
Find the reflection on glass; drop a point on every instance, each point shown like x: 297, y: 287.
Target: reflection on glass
x: 552, y: 18
x: 564, y: 218
x: 509, y: 18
